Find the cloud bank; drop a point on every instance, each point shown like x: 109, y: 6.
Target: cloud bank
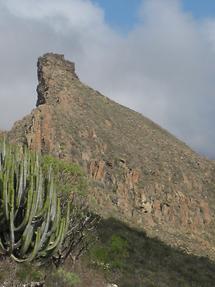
x: 163, y: 68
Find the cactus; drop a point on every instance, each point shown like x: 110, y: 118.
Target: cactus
x: 31, y: 223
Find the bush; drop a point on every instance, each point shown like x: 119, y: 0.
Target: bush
x: 69, y: 177
x: 31, y: 223
x: 28, y: 272
x: 43, y: 213
x: 69, y: 278
x: 112, y: 254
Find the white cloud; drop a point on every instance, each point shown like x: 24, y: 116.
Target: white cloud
x: 77, y: 12
x: 163, y: 68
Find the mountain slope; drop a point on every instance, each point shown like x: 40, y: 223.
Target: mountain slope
x: 139, y: 173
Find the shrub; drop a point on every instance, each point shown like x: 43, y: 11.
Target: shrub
x: 27, y: 272
x: 69, y: 278
x: 69, y: 177
x: 37, y: 219
x: 31, y: 223
x: 111, y: 254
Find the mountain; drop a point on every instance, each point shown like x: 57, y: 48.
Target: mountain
x: 138, y: 172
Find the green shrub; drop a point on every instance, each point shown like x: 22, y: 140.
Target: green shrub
x: 70, y: 178
x: 112, y: 254
x: 31, y: 224
x: 66, y: 278
x: 28, y: 272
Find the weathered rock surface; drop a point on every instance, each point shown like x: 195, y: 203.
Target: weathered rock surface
x: 2, y: 134
x: 140, y: 173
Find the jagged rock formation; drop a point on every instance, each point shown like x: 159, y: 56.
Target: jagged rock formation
x: 139, y: 172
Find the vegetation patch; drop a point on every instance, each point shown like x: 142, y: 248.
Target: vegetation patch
x: 29, y: 273
x: 38, y: 219
x: 111, y: 254
x: 130, y: 258
x: 69, y: 177
x: 68, y: 278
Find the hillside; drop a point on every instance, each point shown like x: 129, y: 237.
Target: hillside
x: 138, y: 172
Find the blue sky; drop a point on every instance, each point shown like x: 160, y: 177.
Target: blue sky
x: 123, y: 14
x: 199, y: 8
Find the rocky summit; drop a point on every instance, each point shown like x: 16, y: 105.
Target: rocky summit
x: 138, y: 172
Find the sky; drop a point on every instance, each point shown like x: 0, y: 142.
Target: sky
x: 122, y: 15
x: 154, y: 56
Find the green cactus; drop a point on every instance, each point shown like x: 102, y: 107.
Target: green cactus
x: 31, y: 223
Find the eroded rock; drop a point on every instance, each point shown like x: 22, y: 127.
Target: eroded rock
x: 141, y: 174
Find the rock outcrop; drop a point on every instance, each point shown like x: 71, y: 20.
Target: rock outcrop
x: 139, y: 172
x: 2, y: 134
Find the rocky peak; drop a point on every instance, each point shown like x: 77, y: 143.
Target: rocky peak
x: 139, y: 173
x: 50, y: 67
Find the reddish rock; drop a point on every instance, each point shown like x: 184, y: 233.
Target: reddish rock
x: 142, y: 174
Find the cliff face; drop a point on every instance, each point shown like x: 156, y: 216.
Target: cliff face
x: 139, y: 173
